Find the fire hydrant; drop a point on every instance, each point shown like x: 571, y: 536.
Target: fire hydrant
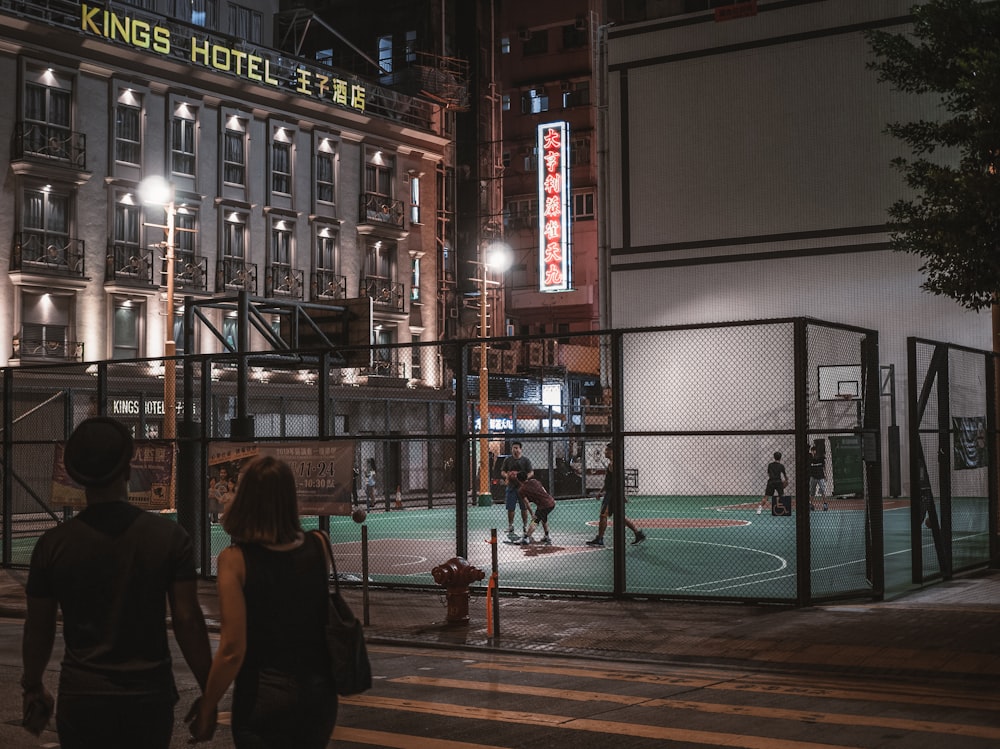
x: 455, y: 575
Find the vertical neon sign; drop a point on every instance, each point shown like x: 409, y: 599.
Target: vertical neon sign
x: 554, y: 208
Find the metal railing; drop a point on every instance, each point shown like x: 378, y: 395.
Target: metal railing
x: 129, y: 264
x: 328, y: 285
x: 283, y: 281
x: 39, y: 252
x: 379, y: 209
x: 236, y: 275
x: 49, y: 143
x: 385, y: 293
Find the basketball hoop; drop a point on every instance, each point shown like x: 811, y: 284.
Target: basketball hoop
x: 845, y: 396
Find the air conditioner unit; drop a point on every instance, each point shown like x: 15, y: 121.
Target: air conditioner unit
x: 551, y: 355
x: 524, y: 35
x: 536, y: 354
x: 580, y: 24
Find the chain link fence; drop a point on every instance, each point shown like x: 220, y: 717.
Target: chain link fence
x: 404, y: 462
x: 953, y: 402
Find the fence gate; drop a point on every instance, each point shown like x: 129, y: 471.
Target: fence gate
x: 953, y: 466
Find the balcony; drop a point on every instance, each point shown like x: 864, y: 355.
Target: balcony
x: 48, y: 144
x: 236, y: 275
x: 386, y: 295
x: 328, y: 286
x: 127, y: 264
x: 45, y: 342
x: 382, y: 214
x: 47, y: 254
x: 282, y: 281
x: 190, y: 271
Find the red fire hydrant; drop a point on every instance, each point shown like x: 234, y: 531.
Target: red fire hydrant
x: 455, y: 575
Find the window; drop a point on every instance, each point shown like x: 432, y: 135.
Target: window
x: 281, y: 167
x: 128, y: 140
x: 326, y: 283
x: 47, y: 115
x: 415, y: 200
x: 199, y: 12
x: 534, y: 100
x: 579, y: 151
x: 576, y: 94
x: 411, y: 47
x: 244, y: 24
x: 126, y: 329
x: 327, y: 251
x: 234, y: 157
x: 283, y: 279
x: 415, y: 279
x: 575, y: 35
x: 535, y: 42
x: 385, y: 53
x: 381, y: 260
x: 505, y: 45
x: 521, y: 213
x: 583, y: 206
x: 415, y: 371
x: 127, y: 249
x: 505, y: 102
x: 378, y: 175
x: 235, y: 246
x: 182, y: 129
x: 45, y: 227
x: 325, y: 180
x: 187, y: 270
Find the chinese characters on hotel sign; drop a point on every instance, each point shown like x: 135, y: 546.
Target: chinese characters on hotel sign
x: 553, y: 207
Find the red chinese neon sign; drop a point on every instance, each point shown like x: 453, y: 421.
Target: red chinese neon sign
x: 554, y: 211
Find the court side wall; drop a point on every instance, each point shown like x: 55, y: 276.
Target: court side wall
x: 750, y: 178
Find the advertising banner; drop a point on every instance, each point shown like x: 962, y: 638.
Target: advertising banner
x: 324, y: 472
x: 149, y: 481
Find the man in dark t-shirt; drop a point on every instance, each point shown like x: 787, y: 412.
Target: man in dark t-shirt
x: 111, y: 570
x: 777, y: 480
x: 514, y: 464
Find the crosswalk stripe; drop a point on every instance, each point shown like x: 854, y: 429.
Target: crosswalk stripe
x: 777, y: 713
x: 773, y: 685
x: 401, y: 741
x: 617, y: 728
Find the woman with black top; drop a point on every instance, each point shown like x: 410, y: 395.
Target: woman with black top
x: 273, y: 593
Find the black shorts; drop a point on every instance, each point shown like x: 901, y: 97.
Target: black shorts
x: 542, y: 513
x: 775, y: 486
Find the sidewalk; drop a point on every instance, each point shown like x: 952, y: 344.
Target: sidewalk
x: 947, y: 630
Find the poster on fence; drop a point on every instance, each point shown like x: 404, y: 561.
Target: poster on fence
x: 970, y: 441
x: 148, y: 484
x: 324, y: 472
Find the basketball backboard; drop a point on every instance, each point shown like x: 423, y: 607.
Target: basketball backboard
x: 839, y: 382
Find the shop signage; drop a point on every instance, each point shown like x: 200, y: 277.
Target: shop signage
x: 554, y: 207
x: 258, y: 67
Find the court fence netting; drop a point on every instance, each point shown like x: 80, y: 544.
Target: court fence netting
x: 417, y: 436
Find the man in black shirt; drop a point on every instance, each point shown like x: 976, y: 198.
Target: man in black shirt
x: 111, y: 570
x: 514, y: 464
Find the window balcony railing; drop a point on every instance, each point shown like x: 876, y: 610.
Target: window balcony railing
x: 38, y: 252
x: 283, y: 281
x: 385, y: 294
x: 328, y: 286
x: 378, y: 209
x: 129, y: 264
x: 49, y: 142
x: 190, y: 271
x: 236, y: 275
x: 35, y: 346
x: 380, y: 368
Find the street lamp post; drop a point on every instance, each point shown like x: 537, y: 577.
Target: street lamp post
x: 496, y: 257
x: 158, y: 191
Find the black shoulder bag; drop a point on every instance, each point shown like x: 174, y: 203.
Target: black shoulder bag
x: 345, y: 641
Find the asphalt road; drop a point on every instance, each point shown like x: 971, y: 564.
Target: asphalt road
x: 431, y: 698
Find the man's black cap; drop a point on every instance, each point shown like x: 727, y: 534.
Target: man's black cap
x: 98, y: 451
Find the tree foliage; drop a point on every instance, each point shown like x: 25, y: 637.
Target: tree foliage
x: 953, y: 222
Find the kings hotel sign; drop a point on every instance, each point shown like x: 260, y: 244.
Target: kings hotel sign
x: 258, y: 68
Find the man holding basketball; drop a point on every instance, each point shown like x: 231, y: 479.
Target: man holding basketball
x: 514, y: 464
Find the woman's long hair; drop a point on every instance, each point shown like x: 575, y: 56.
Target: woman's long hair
x: 265, y: 508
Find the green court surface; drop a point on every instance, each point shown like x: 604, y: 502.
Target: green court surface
x: 696, y: 547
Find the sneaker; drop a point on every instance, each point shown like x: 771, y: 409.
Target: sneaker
x: 510, y: 530
x: 526, y: 540
x: 758, y: 511
x: 513, y: 538
x: 547, y: 541
x: 596, y: 542
x: 639, y: 538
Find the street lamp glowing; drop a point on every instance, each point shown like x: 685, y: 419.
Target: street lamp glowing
x: 159, y: 192
x: 496, y: 257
